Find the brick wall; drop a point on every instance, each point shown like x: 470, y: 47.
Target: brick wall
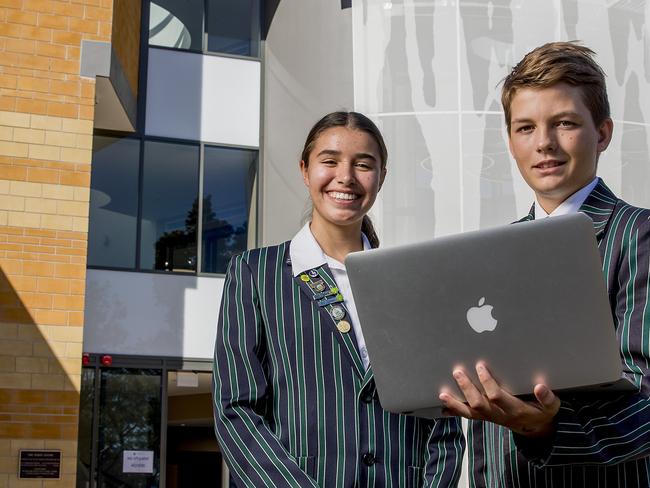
x: 46, y: 113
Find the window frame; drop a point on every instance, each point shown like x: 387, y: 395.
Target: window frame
x: 252, y: 224
x: 204, y: 38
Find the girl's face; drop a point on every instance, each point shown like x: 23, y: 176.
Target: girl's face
x: 343, y: 174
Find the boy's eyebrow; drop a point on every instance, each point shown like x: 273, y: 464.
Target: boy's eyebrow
x: 555, y: 116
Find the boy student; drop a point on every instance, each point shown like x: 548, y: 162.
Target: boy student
x: 558, y: 122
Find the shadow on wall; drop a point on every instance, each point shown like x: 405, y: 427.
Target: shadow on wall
x: 38, y: 400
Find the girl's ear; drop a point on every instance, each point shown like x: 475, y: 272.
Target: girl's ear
x: 382, y: 177
x: 303, y: 170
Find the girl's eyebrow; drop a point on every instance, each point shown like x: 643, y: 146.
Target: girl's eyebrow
x: 333, y: 152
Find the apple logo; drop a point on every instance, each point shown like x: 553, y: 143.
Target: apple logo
x: 480, y: 318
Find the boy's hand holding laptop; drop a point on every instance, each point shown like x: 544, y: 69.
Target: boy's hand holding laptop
x: 527, y: 418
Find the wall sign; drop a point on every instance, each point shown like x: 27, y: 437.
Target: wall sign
x: 137, y: 462
x: 33, y: 464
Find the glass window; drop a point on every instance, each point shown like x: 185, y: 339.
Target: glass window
x: 113, y: 202
x: 169, y: 206
x: 176, y: 23
x: 129, y: 420
x: 228, y: 178
x: 233, y: 26
x: 84, y: 440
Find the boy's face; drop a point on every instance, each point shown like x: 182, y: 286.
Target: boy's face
x: 555, y: 142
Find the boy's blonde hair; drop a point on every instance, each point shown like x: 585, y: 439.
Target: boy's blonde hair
x: 559, y: 62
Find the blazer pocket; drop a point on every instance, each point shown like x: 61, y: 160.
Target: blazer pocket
x: 414, y: 477
x: 308, y: 465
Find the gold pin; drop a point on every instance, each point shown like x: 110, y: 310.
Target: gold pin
x: 343, y: 326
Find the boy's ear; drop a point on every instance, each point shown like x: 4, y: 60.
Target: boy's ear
x: 605, y: 131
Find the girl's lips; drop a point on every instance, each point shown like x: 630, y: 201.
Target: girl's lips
x: 340, y: 196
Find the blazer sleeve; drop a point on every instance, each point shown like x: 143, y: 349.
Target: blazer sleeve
x: 254, y: 454
x: 445, y: 454
x: 612, y: 430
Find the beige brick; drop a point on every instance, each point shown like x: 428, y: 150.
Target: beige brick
x: 40, y: 205
x: 30, y: 332
x: 65, y: 334
x: 80, y: 224
x: 14, y: 119
x: 74, y: 125
x: 76, y: 155
x: 15, y: 149
x: 4, y: 187
x: 77, y: 209
x: 32, y: 136
x: 24, y: 219
x: 9, y: 331
x: 15, y: 380
x: 50, y: 153
x: 48, y: 381
x: 73, y: 350
x: 4, y: 218
x: 10, y: 202
x: 32, y: 365
x: 73, y: 383
x: 7, y: 133
x: 18, y: 444
x: 81, y: 194
x: 57, y: 222
x: 70, y: 366
x: 42, y: 349
x: 61, y: 139
x: 7, y: 364
x: 25, y: 189
x: 58, y: 192
x: 45, y: 122
x: 84, y: 141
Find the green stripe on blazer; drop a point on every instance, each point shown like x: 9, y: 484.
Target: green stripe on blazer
x: 293, y: 404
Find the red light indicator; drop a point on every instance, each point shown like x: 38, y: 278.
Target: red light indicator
x: 107, y: 360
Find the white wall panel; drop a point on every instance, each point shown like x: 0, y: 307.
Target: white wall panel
x: 151, y: 314
x: 197, y: 97
x: 231, y: 101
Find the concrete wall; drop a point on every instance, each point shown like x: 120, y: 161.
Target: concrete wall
x: 307, y: 73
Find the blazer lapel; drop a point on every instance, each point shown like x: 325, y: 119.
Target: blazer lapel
x: 599, y: 206
x: 348, y: 340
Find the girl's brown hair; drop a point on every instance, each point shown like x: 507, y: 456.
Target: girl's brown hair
x: 356, y: 121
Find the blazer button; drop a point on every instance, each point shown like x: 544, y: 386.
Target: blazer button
x: 368, y: 459
x: 366, y: 398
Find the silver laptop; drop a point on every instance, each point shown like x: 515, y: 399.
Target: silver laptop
x: 528, y: 299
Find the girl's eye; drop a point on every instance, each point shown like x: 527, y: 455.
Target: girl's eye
x: 329, y: 161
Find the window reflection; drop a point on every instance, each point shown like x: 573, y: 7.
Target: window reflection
x: 233, y: 26
x: 228, y: 180
x: 113, y: 202
x: 176, y: 23
x: 169, y: 207
x: 130, y: 413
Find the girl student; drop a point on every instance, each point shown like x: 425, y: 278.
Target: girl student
x: 295, y: 403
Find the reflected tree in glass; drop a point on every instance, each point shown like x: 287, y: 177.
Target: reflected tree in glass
x: 129, y: 420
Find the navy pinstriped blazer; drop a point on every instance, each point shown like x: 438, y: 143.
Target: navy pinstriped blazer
x: 599, y: 442
x: 293, y: 404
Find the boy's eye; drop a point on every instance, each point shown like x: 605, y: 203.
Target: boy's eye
x: 524, y: 128
x: 566, y: 123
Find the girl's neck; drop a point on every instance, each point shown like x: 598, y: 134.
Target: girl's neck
x: 337, y: 241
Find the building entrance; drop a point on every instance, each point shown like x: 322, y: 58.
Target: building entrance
x: 142, y: 426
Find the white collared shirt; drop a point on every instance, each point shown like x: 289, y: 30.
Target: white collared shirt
x: 306, y: 254
x: 568, y: 206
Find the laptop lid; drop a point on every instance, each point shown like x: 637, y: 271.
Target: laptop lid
x: 528, y: 299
